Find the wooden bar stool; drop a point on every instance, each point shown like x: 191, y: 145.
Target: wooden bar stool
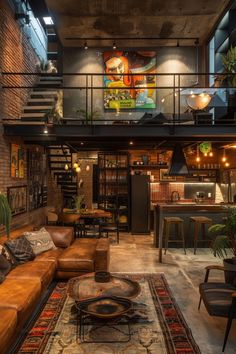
x: 200, y: 223
x: 178, y: 223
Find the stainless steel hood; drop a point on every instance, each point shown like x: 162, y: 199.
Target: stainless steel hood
x: 178, y: 166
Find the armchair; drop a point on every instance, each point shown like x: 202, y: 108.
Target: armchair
x: 219, y: 299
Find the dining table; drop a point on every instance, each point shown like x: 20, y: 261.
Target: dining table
x: 78, y: 218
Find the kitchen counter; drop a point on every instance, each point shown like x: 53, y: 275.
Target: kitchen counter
x: 185, y: 210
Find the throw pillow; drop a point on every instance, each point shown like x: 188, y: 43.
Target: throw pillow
x: 21, y: 249
x: 5, y: 267
x: 40, y: 240
x: 8, y: 256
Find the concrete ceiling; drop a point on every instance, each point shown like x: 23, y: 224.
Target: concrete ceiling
x: 134, y: 18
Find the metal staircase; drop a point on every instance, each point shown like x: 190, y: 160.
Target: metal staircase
x: 58, y: 157
x: 42, y: 99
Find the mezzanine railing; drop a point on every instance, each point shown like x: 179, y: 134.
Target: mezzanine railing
x: 94, y: 98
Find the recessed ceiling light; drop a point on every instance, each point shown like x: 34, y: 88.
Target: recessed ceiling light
x: 48, y: 20
x: 131, y: 143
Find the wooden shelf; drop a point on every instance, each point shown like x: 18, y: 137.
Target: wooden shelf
x: 149, y: 166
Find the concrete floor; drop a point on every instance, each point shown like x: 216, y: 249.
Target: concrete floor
x: 183, y: 273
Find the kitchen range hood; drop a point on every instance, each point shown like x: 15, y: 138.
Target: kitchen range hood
x: 178, y: 165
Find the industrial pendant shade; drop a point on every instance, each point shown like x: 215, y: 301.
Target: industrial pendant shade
x: 178, y: 166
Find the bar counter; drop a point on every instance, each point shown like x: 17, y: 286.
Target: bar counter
x: 185, y: 211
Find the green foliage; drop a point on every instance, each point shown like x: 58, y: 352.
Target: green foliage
x: 79, y: 200
x: 225, y: 235
x: 5, y: 213
x: 88, y: 116
x: 229, y: 63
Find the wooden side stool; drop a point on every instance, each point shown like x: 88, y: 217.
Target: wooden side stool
x: 178, y: 223
x: 200, y: 223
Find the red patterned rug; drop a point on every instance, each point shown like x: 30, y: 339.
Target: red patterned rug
x: 156, y: 325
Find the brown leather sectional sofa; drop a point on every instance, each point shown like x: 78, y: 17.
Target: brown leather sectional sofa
x: 24, y: 285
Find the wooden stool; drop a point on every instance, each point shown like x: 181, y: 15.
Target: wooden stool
x: 179, y: 230
x: 200, y: 222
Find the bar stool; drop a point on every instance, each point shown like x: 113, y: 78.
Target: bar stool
x: 199, y: 222
x: 178, y: 223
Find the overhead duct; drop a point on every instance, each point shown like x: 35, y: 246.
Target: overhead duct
x: 178, y: 165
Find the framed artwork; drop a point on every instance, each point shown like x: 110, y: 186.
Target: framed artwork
x: 130, y: 96
x: 17, y: 198
x: 37, y: 180
x: 17, y: 161
x: 164, y: 175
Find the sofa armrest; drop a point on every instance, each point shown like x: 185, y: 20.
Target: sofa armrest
x: 102, y: 255
x: 62, y: 236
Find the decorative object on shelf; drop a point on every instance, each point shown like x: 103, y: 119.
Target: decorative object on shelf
x: 198, y: 101
x: 164, y: 176
x: 17, y: 199
x: 5, y: 213
x: 17, y: 161
x: 79, y: 202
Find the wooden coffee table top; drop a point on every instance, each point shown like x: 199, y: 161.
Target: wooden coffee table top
x: 85, y: 287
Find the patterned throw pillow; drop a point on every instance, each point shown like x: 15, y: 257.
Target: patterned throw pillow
x: 8, y: 256
x: 5, y: 267
x: 21, y: 249
x: 40, y: 241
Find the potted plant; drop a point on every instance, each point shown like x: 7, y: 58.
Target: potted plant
x: 5, y: 214
x: 224, y: 242
x: 229, y: 64
x: 88, y: 116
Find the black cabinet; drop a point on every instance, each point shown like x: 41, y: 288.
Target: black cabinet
x: 140, y: 204
x: 113, y: 186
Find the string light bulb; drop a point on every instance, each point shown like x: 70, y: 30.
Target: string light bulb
x: 198, y: 157
x: 66, y: 167
x: 224, y: 157
x: 75, y: 165
x: 78, y: 169
x: 227, y: 164
x: 211, y: 153
x: 87, y: 168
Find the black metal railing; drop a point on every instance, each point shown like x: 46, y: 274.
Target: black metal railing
x: 177, y: 98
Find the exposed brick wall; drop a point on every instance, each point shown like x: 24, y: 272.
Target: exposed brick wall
x: 16, y: 56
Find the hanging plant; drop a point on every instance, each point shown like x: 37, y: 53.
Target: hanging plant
x: 205, y: 147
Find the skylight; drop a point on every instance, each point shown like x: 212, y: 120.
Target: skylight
x: 48, y: 20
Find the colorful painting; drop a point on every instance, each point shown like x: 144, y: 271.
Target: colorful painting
x: 136, y: 91
x: 17, y: 161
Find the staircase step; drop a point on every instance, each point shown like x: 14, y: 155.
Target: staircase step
x: 58, y: 155
x: 32, y: 109
x: 28, y: 116
x: 50, y: 84
x: 51, y: 78
x: 68, y: 193
x: 69, y: 187
x: 38, y: 93
x: 40, y: 101
x: 64, y: 182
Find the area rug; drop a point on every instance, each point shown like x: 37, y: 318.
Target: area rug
x: 155, y: 322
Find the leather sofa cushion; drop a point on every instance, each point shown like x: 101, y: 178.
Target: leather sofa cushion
x: 42, y: 271
x: 8, y: 326
x: 61, y: 236
x: 20, y: 295
x: 80, y: 258
x: 51, y: 255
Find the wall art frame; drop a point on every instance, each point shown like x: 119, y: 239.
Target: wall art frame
x: 17, y: 198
